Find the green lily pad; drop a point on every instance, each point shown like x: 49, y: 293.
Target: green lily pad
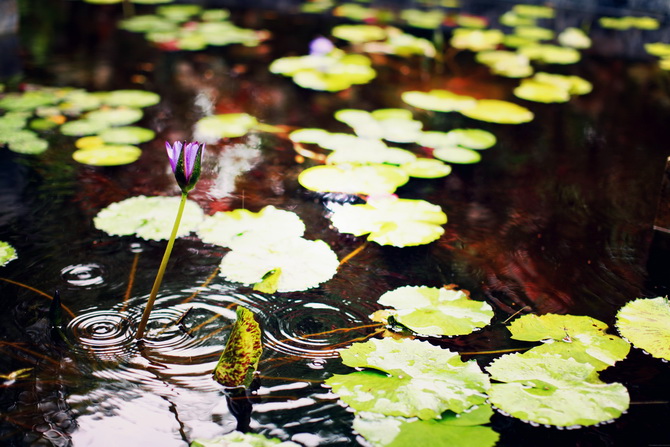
x: 645, y: 323
x: 239, y: 360
x: 359, y: 33
x: 534, y: 33
x: 551, y: 54
x: 395, y: 125
x: 7, y: 253
x: 401, y: 44
x: 450, y: 430
x: 458, y: 155
x: 309, y: 136
x: 211, y: 129
x: 535, y: 11
x: 179, y: 13
x: 573, y: 84
x: 439, y: 100
x: 31, y: 146
x: 334, y: 71
x: 497, y: 111
x: 13, y: 120
x: 81, y: 127
x: 574, y: 38
x: 148, y: 218
x: 366, y: 179
x: 148, y: 23
x: 77, y: 102
x: 368, y: 151
x: 426, y: 168
x: 119, y: 116
x: 42, y: 124
x: 533, y: 90
x: 436, y: 311
x: 408, y: 378
x: 470, y: 138
x: 506, y: 63
x: 240, y: 439
x: 132, y: 98
x: 127, y: 135
x: 660, y: 49
x: 627, y: 22
x: 28, y: 101
x: 303, y: 264
x: 551, y: 390
x: 476, y: 39
x: 222, y: 228
x: 392, y: 221
x: 108, y: 155
x: 511, y: 18
x: 570, y: 336
x: 423, y: 19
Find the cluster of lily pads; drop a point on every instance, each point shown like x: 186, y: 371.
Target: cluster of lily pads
x: 103, y: 119
x: 405, y: 389
x: 190, y: 27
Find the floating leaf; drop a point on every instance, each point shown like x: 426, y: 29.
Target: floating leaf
x: 573, y: 84
x: 300, y: 264
x: 645, y: 323
x: 7, y: 253
x: 29, y: 100
x: 535, y: 11
x: 395, y: 125
x: 83, y: 127
x: 367, y: 179
x: 119, y: 116
x: 574, y: 38
x: 222, y: 228
x: 108, y: 155
x: 132, y: 98
x: 660, y: 49
x: 392, y: 221
x: 369, y: 151
x: 408, y: 378
x: 148, y: 217
x: 571, y: 336
x: 476, y: 39
x: 450, y: 430
x: 212, y: 128
x: 240, y: 439
x: 551, y: 54
x: 497, y: 111
x: 358, y: 33
x: 439, y: 100
x: 426, y: 168
x: 533, y: 90
x: 334, y: 71
x: 506, y: 63
x: 437, y: 311
x: 551, y: 390
x: 239, y: 360
x: 309, y: 135
x: 459, y: 155
x: 423, y: 19
x: 470, y: 138
x: 127, y: 135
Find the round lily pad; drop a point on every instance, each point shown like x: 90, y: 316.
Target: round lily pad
x: 83, y: 127
x: 497, y: 111
x: 31, y: 146
x: 227, y: 125
x: 392, y: 221
x: 7, y: 253
x: 437, y: 311
x: 119, y: 116
x: 459, y: 155
x: 476, y: 39
x: 551, y: 54
x: 359, y: 33
x: 309, y: 135
x: 366, y: 179
x: 222, y: 228
x: 369, y: 151
x: 107, y: 155
x: 551, y: 390
x: 149, y: 218
x: 426, y: 168
x: 574, y: 38
x: 645, y: 323
x: 132, y: 98
x: 533, y: 90
x: 293, y: 263
x: 127, y: 135
x: 439, y: 100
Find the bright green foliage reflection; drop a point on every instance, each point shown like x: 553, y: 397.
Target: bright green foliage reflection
x: 645, y: 323
x: 7, y: 253
x: 436, y: 311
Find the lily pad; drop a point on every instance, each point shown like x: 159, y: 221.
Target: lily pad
x: 551, y: 54
x: 359, y: 33
x: 7, y: 253
x: 535, y: 11
x: 132, y: 98
x: 645, y: 323
x: 370, y: 151
x: 437, y: 311
x: 222, y: 228
x: 334, y: 71
x: 23, y: 141
x: 366, y: 179
x: 240, y: 439
x: 408, y: 378
x: 450, y: 430
x: 439, y: 100
x: 459, y: 155
x: 476, y: 39
x: 119, y: 116
x: 108, y: 155
x: 470, y: 138
x: 571, y: 336
x: 533, y: 90
x: 395, y: 125
x: 28, y: 101
x: 303, y: 264
x: 426, y: 168
x: 83, y: 127
x: 149, y: 218
x: 127, y: 135
x: 506, y: 63
x: 574, y: 38
x: 392, y: 221
x: 551, y: 390
x: 660, y: 49
x: 573, y: 84
x: 211, y: 129
x: 497, y: 111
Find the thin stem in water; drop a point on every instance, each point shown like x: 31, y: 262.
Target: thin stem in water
x: 161, y: 270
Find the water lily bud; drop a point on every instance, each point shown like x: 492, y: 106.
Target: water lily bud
x: 185, y: 159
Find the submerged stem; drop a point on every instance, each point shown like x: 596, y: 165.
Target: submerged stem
x: 161, y: 270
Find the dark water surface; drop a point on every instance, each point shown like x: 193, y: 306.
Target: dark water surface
x: 556, y: 218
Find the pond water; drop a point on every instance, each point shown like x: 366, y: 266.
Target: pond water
x: 556, y: 218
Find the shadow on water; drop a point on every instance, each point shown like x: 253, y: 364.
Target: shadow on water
x: 558, y: 217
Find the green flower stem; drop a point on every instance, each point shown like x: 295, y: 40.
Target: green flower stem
x: 161, y: 269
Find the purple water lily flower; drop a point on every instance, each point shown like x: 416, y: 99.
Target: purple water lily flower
x: 320, y: 46
x: 185, y: 159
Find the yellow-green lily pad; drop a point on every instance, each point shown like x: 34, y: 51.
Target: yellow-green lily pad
x: 359, y: 33
x: 118, y: 116
x: 551, y: 54
x: 574, y: 38
x: 211, y: 129
x: 645, y: 323
x: 426, y: 168
x: 498, y: 111
x: 127, y: 135
x: 7, y: 253
x: 476, y: 39
x: 534, y: 90
x: 366, y: 179
x: 458, y: 155
x: 108, y: 155
x: 439, y: 100
x: 132, y: 98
